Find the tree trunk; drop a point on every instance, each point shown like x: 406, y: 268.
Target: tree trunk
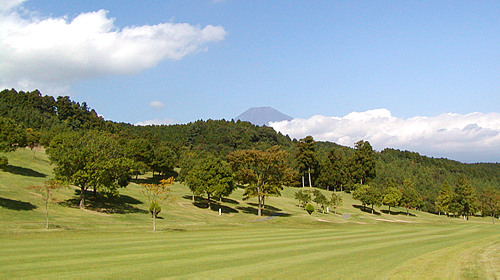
x: 193, y: 197
x: 407, y: 212
x: 372, y: 208
x: 310, y: 183
x: 303, y: 185
x: 154, y: 220
x: 259, y: 211
x: 208, y: 195
x: 47, y: 212
x: 95, y: 192
x: 389, y: 209
x: 82, y: 197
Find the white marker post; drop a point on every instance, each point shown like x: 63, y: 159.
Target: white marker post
x: 220, y: 211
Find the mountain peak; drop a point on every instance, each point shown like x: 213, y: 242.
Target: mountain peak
x: 263, y: 116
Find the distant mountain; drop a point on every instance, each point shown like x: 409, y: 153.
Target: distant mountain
x: 263, y: 116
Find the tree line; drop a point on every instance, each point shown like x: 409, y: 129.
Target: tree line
x: 104, y: 156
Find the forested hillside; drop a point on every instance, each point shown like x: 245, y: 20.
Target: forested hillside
x: 60, y: 124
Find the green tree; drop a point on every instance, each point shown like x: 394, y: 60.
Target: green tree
x: 360, y: 193
x: 304, y: 197
x: 306, y: 158
x: 335, y: 201
x: 320, y: 200
x: 391, y: 197
x: 12, y: 136
x: 409, y: 196
x: 363, y: 162
x: 490, y: 202
x: 333, y: 171
x: 156, y: 195
x: 164, y: 159
x: 141, y: 151
x: 90, y: 160
x: 263, y: 173
x: 46, y: 192
x: 211, y: 176
x: 32, y: 138
x: 368, y: 195
x: 445, y: 198
x: 465, y: 196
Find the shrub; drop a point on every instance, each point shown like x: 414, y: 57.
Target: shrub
x: 309, y: 208
x: 155, y: 208
x: 3, y: 162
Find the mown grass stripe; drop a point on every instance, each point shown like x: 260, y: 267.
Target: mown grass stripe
x: 187, y: 256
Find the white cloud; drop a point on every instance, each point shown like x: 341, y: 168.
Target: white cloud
x: 7, y: 5
x: 56, y: 52
x: 156, y: 105
x: 469, y: 138
x: 156, y: 122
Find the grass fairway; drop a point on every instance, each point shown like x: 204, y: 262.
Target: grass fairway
x: 195, y: 242
x: 343, y: 251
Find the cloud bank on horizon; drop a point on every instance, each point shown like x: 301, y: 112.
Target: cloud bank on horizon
x: 472, y: 137
x: 53, y: 53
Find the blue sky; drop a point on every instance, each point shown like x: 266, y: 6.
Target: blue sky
x: 305, y: 58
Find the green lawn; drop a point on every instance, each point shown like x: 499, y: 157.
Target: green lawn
x: 344, y: 251
x: 114, y: 240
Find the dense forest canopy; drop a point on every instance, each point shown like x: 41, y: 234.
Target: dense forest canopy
x: 40, y: 120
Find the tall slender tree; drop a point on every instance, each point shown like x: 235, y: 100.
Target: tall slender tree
x: 46, y: 192
x: 306, y: 159
x: 466, y: 197
x: 363, y: 163
x: 333, y: 171
x: 490, y: 202
x: 445, y: 198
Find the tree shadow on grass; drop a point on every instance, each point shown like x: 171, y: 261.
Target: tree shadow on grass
x: 156, y: 178
x: 228, y: 200
x: 106, y: 203
x: 366, y: 209
x: 202, y: 203
x: 397, y: 213
x: 266, y: 207
x: 267, y: 211
x: 17, y: 170
x: 16, y: 204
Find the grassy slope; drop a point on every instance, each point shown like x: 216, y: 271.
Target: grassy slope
x: 196, y: 242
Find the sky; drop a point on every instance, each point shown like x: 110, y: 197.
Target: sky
x: 413, y: 75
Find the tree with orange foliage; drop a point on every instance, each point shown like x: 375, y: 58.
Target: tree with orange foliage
x: 156, y: 195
